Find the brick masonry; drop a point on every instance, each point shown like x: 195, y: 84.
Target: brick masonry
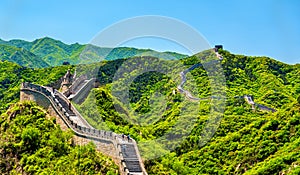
x: 107, y: 142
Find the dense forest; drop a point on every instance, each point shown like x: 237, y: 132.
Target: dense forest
x: 11, y: 76
x: 247, y: 141
x: 31, y: 143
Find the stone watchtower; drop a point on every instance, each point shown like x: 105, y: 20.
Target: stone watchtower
x: 217, y: 47
x: 67, y: 81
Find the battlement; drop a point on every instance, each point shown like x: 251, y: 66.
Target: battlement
x: 67, y: 116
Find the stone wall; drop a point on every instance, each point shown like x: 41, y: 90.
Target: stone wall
x: 105, y: 146
x: 106, y: 142
x: 83, y: 92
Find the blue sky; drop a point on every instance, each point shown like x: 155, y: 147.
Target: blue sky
x: 251, y: 27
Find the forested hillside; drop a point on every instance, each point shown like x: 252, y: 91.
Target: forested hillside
x: 32, y: 143
x: 46, y: 52
x: 11, y: 76
x: 21, y: 56
x: 247, y: 141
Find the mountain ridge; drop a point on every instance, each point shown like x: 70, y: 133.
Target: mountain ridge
x: 55, y: 52
x: 20, y: 56
x: 246, y: 141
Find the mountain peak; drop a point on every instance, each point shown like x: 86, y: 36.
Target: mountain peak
x: 47, y: 39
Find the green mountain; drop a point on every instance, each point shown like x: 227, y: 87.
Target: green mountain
x: 20, y: 56
x: 247, y: 141
x: 54, y: 53
x: 18, y: 43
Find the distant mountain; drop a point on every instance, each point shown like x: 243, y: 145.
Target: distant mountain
x: 46, y: 52
x: 21, y: 56
x: 18, y: 43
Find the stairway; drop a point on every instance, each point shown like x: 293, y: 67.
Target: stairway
x: 130, y: 158
x: 131, y: 161
x: 65, y: 105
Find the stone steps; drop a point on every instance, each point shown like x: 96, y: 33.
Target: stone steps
x: 65, y: 105
x: 130, y: 155
x: 128, y: 151
x: 133, y: 166
x: 130, y: 158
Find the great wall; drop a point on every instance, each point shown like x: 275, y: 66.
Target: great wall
x: 248, y: 98
x: 123, y: 151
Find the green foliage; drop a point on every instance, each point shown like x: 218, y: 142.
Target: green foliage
x: 11, y: 76
x: 155, y: 88
x: 47, y: 52
x: 20, y: 56
x: 247, y: 141
x: 125, y: 52
x: 31, y: 143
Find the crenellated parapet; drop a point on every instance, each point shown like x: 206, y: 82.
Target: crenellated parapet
x: 107, y: 142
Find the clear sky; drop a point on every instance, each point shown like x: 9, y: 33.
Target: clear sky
x: 252, y: 27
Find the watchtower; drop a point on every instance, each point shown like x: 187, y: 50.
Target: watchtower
x: 67, y: 81
x: 217, y: 47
